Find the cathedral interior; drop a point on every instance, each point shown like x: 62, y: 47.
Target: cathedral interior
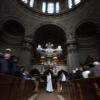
x: 54, y: 34
x: 73, y: 24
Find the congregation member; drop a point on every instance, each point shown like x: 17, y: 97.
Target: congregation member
x: 86, y: 71
x: 3, y: 68
x: 5, y: 62
x: 95, y: 69
x: 9, y: 63
x: 79, y: 73
x: 62, y: 78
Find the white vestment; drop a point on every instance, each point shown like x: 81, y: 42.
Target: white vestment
x: 63, y: 77
x: 49, y: 87
x: 85, y: 74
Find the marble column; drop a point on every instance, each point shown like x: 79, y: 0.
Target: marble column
x: 72, y: 53
x: 26, y: 54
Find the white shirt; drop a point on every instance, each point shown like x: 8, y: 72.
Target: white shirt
x: 85, y: 74
x: 63, y: 77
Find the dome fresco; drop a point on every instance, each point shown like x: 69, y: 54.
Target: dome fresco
x: 51, y: 6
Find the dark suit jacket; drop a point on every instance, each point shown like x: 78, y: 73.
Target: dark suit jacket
x: 94, y: 71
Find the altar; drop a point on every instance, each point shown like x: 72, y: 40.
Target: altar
x: 49, y: 57
x: 54, y: 69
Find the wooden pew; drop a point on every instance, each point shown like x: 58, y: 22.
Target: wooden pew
x: 82, y: 89
x: 14, y: 88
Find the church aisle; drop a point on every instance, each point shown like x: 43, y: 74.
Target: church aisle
x: 43, y: 95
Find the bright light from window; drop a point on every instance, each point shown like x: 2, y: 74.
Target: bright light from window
x: 70, y: 3
x: 57, y: 7
x: 44, y: 7
x: 50, y: 7
x: 31, y: 3
x: 25, y: 1
x: 77, y: 1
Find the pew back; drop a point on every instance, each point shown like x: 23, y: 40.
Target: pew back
x: 15, y: 88
x: 82, y: 89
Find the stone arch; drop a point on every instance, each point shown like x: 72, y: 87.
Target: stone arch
x: 49, y: 33
x: 62, y: 71
x: 87, y: 39
x: 5, y: 19
x: 13, y: 27
x: 54, y: 34
x: 13, y: 31
x: 86, y: 29
x: 51, y: 23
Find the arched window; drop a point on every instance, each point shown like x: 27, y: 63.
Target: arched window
x: 51, y: 6
x: 44, y: 7
x: 25, y: 1
x: 72, y: 3
x: 31, y: 3
x: 77, y: 1
x: 57, y: 7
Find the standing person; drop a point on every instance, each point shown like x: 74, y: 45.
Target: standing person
x: 95, y: 69
x: 86, y: 71
x: 2, y: 68
x: 49, y: 87
x: 6, y: 62
x: 62, y: 78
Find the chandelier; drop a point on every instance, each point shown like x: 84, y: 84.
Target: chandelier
x: 49, y: 55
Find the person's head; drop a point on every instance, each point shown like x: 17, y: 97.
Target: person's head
x: 25, y: 72
x: 7, y: 53
x: 48, y: 73
x: 96, y: 63
x: 76, y: 69
x: 7, y: 56
x: 1, y: 55
x: 90, y: 65
x: 85, y: 68
x: 73, y: 71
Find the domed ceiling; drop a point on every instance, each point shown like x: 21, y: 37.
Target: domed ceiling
x: 51, y: 6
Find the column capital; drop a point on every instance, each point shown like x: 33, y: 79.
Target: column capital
x: 27, y: 43
x: 72, y: 48
x: 71, y: 39
x: 28, y: 39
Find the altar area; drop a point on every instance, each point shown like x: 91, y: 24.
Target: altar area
x: 49, y: 57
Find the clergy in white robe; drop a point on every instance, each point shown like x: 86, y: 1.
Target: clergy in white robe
x: 49, y: 87
x: 63, y: 79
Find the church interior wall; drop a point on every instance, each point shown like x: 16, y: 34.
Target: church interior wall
x: 86, y: 11
x: 85, y: 52
x: 16, y: 49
